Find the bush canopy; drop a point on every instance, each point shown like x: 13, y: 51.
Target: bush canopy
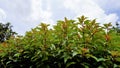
x: 80, y: 43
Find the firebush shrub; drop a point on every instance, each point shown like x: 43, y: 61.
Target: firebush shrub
x: 81, y: 43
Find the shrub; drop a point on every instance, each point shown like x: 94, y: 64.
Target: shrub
x: 69, y: 44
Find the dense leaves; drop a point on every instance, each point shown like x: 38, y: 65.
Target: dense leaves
x: 5, y: 31
x: 69, y: 44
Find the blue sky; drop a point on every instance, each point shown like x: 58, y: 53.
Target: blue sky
x: 27, y: 14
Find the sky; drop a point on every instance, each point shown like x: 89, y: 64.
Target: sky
x: 26, y: 14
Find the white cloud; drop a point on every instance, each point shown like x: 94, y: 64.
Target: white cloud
x: 84, y: 7
x: 2, y: 15
x: 109, y: 4
x: 111, y: 18
x: 26, y: 14
x: 37, y: 12
x: 90, y: 9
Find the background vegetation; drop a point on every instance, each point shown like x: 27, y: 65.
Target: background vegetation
x: 78, y: 43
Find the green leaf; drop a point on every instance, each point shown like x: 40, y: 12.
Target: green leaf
x: 101, y: 59
x: 69, y: 63
x: 17, y: 54
x: 74, y: 53
x: 86, y: 65
x: 66, y: 59
x: 117, y: 59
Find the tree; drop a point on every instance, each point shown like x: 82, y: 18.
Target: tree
x: 117, y: 27
x: 5, y: 31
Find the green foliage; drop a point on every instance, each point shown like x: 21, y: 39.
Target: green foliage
x: 69, y: 44
x: 5, y: 31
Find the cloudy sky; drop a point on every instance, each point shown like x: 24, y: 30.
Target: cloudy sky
x: 26, y: 14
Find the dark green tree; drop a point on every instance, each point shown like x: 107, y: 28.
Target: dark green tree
x: 117, y: 27
x: 5, y: 31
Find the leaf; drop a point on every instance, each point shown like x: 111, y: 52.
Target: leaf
x: 101, y: 59
x: 70, y: 63
x: 101, y: 66
x: 66, y: 57
x: 87, y: 22
x: 94, y: 57
x: 8, y: 62
x: 86, y: 65
x: 89, y: 55
x: 74, y: 53
x: 17, y: 55
x: 52, y: 47
x: 117, y: 59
